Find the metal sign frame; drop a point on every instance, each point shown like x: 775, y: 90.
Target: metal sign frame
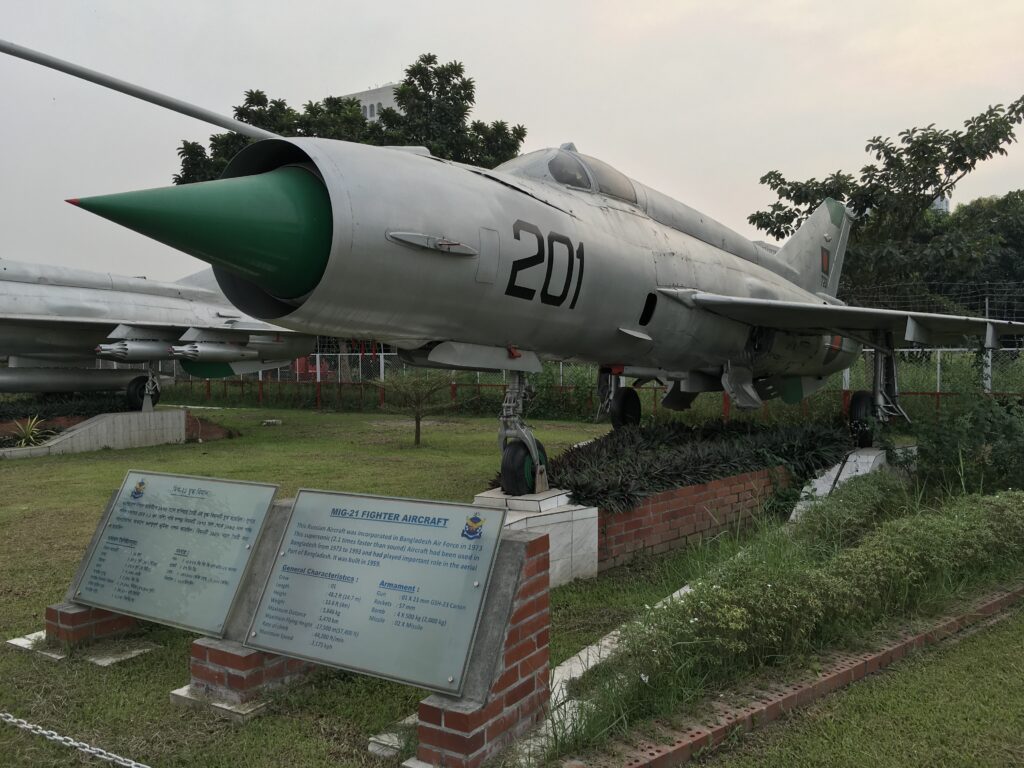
x: 73, y: 593
x: 485, y: 587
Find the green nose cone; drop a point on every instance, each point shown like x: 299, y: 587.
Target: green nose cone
x: 273, y: 228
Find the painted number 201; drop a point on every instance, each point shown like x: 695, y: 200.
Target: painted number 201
x: 557, y: 244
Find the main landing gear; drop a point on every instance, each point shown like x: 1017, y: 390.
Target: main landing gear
x: 621, y: 403
x: 139, y: 389
x: 524, y: 463
x: 882, y: 403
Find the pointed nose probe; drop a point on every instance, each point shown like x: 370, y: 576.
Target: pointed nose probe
x: 273, y: 229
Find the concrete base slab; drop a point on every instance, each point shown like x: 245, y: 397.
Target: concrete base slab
x: 415, y: 762
x: 34, y: 643
x: 860, y: 462
x: 126, y: 649
x: 390, y: 744
x: 102, y: 655
x: 186, y: 696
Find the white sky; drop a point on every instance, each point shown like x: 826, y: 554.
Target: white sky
x: 694, y: 98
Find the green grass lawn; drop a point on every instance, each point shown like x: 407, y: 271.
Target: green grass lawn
x: 958, y: 704
x: 49, y: 508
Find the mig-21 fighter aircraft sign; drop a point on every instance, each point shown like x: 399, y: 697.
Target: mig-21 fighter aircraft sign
x: 552, y: 256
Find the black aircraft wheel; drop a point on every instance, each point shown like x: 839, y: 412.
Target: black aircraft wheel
x: 862, y: 406
x: 135, y: 394
x: 625, y: 410
x: 517, y: 469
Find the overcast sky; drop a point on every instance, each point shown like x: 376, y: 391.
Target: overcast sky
x: 694, y: 98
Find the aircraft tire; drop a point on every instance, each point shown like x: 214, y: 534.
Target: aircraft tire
x: 861, y: 416
x: 517, y: 470
x: 625, y: 410
x: 135, y: 393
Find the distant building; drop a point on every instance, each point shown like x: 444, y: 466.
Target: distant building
x: 374, y: 100
x: 940, y: 204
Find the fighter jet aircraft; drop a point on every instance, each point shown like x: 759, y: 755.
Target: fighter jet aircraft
x: 56, y: 322
x: 554, y: 255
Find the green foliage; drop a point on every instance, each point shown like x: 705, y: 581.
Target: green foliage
x: 435, y: 101
x: 616, y: 471
x: 30, y: 432
x: 896, y: 238
x: 417, y: 392
x: 978, y: 447
x: 54, y: 406
x: 775, y: 602
x: 908, y: 175
x: 852, y: 510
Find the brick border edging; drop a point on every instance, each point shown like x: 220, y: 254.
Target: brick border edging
x: 841, y: 670
x: 682, y: 516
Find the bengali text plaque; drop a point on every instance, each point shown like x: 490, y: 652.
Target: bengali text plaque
x: 174, y: 548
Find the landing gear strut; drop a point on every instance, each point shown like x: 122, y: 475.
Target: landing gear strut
x: 621, y: 403
x: 882, y: 403
x: 523, y: 459
x: 143, y: 388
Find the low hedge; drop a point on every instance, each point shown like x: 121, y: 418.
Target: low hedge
x: 777, y: 601
x: 616, y: 471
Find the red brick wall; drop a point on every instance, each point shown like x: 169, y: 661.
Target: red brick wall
x: 461, y: 734
x: 232, y: 672
x: 74, y: 624
x: 675, y: 518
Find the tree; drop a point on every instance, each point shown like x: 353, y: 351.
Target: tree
x: 891, y: 196
x: 896, y: 237
x: 416, y: 392
x: 434, y: 101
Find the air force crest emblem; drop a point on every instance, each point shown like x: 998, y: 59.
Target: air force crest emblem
x: 139, y: 489
x: 474, y: 527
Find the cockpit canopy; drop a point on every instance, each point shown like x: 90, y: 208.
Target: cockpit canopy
x: 564, y: 166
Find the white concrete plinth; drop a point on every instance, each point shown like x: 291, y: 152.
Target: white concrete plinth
x: 863, y: 461
x: 240, y: 713
x: 102, y: 655
x: 571, y: 529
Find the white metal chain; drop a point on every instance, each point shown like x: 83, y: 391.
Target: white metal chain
x: 67, y: 741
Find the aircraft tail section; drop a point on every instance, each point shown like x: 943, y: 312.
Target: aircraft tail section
x: 817, y: 249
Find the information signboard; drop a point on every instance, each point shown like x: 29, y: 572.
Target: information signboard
x: 174, y: 548
x: 383, y: 586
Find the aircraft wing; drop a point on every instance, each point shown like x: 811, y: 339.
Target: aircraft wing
x: 918, y: 327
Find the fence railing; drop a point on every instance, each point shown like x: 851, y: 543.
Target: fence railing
x: 350, y: 382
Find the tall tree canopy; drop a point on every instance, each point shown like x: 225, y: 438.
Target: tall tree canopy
x: 896, y: 236
x: 434, y: 100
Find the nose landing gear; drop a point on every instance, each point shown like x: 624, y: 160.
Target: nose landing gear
x: 523, y: 458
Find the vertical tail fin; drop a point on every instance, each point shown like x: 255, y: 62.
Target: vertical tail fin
x: 817, y: 249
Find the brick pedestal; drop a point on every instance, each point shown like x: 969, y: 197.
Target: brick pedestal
x: 74, y: 625
x: 673, y: 519
x: 464, y: 732
x: 230, y: 672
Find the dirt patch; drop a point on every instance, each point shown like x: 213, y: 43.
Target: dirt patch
x: 198, y: 429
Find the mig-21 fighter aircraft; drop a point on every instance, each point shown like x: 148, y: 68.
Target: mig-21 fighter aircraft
x: 554, y: 255
x: 55, y: 323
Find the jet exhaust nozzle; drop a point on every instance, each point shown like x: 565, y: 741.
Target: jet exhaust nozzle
x: 273, y: 229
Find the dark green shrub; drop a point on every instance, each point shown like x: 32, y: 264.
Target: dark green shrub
x: 617, y: 470
x: 976, y: 448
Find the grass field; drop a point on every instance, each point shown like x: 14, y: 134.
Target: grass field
x: 49, y: 508
x: 958, y: 704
